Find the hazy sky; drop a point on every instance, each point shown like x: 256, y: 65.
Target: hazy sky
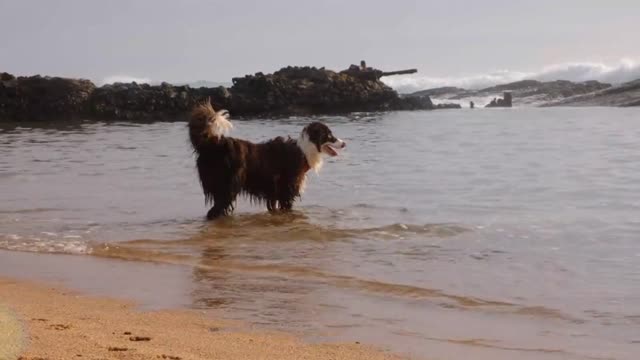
x: 215, y: 40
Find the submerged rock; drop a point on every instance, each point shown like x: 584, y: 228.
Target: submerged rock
x: 504, y: 102
x: 448, y: 106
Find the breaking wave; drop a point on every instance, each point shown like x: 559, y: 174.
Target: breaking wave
x: 124, y: 79
x: 625, y: 70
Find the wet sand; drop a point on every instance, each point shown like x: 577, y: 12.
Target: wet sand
x: 52, y: 323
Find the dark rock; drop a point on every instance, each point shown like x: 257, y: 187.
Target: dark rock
x: 506, y: 101
x: 309, y: 90
x: 42, y: 98
x: 288, y: 91
x: 6, y: 77
x: 421, y: 102
x: 448, y: 106
x: 132, y: 101
x: 414, y: 103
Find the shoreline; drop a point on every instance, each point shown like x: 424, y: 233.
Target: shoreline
x: 57, y: 323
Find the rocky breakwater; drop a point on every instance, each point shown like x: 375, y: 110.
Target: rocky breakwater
x: 288, y: 91
x: 310, y: 90
x: 132, y: 101
x: 39, y: 98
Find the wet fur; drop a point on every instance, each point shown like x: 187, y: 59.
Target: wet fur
x: 271, y: 173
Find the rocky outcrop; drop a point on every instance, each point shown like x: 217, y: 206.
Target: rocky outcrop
x: 414, y: 103
x: 309, y: 90
x: 142, y: 101
x: 291, y: 90
x: 40, y: 98
x: 506, y: 101
x: 447, y: 106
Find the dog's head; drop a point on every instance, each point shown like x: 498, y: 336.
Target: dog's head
x: 317, y: 139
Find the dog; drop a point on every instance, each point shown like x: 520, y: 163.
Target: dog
x: 271, y: 172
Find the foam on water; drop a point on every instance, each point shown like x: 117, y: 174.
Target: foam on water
x: 124, y: 79
x: 68, y: 244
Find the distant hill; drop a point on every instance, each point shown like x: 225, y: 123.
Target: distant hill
x: 627, y: 94
x: 204, y: 83
x: 438, y: 92
x: 525, y: 92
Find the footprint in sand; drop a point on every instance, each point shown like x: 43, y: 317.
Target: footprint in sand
x: 139, y: 338
x: 60, y: 327
x: 116, y: 348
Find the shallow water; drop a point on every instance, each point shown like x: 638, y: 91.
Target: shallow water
x: 486, y: 234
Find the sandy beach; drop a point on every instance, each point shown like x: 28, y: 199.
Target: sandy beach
x: 43, y: 322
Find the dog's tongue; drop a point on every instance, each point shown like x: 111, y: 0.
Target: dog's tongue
x: 330, y: 150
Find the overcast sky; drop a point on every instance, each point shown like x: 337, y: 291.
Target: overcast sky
x: 215, y: 40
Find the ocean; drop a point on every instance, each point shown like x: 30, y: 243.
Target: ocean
x: 457, y: 234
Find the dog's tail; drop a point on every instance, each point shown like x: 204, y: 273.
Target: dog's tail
x: 207, y: 124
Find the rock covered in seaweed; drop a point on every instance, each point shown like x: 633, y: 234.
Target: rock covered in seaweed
x: 38, y: 98
x: 131, y: 101
x: 311, y: 90
x: 288, y: 91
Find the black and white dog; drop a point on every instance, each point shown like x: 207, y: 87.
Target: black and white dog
x: 272, y: 172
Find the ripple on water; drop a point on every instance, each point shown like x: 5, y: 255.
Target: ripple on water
x: 538, y: 225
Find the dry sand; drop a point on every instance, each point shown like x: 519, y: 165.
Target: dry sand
x: 38, y: 322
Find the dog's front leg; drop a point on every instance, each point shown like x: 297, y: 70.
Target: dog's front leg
x: 272, y: 205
